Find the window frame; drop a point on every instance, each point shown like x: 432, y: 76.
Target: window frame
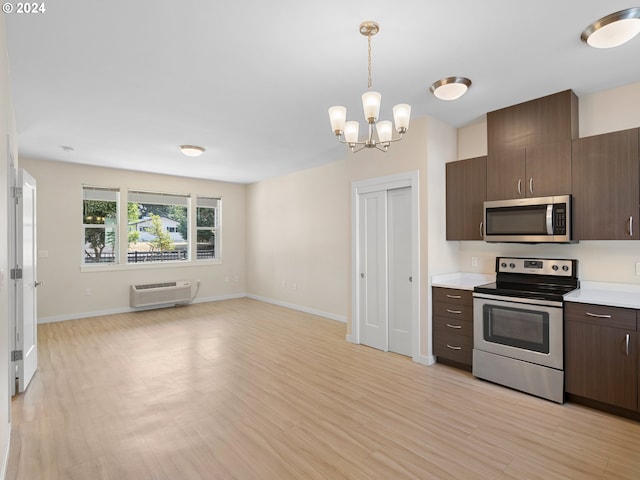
x: 150, y: 197
x: 105, y: 191
x: 200, y: 203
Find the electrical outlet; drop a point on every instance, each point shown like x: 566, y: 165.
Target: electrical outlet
x: 87, y: 291
x: 284, y: 284
x: 637, y: 268
x: 474, y: 261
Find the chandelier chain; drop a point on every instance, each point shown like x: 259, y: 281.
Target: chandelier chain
x: 369, y: 60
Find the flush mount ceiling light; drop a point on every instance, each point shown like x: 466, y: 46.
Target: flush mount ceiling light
x: 450, y: 88
x: 613, y: 30
x: 191, y: 150
x: 347, y: 132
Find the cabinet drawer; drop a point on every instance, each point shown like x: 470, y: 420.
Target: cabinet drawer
x: 453, y: 311
x: 452, y: 295
x: 451, y: 326
x: 614, y: 317
x: 457, y: 348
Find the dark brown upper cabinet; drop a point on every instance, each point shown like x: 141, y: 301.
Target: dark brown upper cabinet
x: 466, y: 193
x: 606, y: 191
x: 529, y: 147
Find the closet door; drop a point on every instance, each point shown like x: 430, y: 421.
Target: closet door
x: 373, y: 270
x: 400, y: 270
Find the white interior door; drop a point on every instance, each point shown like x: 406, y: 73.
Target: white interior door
x: 373, y: 270
x: 26, y: 341
x: 400, y: 270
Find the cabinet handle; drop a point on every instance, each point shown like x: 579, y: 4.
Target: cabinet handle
x: 453, y: 326
x: 631, y: 226
x: 519, y: 186
x: 457, y: 312
x: 627, y: 344
x: 453, y: 296
x: 531, y: 185
x: 453, y: 348
x: 481, y: 229
x: 596, y: 315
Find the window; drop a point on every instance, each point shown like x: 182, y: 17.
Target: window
x: 208, y: 228
x: 100, y: 225
x: 158, y: 227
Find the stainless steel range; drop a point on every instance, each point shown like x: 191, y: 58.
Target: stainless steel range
x: 518, y: 325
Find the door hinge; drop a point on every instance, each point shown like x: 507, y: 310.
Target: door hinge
x: 16, y: 273
x: 16, y: 192
x: 16, y: 355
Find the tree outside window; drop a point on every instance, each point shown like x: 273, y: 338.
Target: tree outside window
x: 100, y: 225
x: 160, y: 222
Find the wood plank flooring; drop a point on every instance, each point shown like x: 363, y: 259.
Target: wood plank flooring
x: 241, y: 389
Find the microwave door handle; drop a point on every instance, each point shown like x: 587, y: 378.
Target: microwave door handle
x: 550, y: 219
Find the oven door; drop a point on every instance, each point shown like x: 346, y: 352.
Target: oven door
x: 519, y: 328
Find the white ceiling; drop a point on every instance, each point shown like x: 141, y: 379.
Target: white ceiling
x: 125, y: 82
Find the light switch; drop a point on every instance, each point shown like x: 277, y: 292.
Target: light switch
x: 43, y: 253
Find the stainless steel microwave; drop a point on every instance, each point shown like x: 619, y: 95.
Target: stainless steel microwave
x: 528, y: 220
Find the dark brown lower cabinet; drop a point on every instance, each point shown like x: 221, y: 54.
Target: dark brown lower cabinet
x: 453, y: 326
x: 601, y: 354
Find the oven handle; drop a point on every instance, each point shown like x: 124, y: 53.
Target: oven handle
x: 589, y: 314
x: 528, y: 301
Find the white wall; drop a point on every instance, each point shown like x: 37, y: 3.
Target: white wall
x: 299, y: 225
x: 7, y: 133
x: 598, y: 261
x: 60, y: 235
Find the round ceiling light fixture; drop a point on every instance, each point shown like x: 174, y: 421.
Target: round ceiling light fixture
x: 191, y: 150
x: 450, y: 88
x: 613, y: 30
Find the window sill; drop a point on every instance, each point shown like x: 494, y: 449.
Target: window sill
x: 148, y: 266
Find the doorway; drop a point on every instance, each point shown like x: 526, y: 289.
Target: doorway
x: 385, y: 264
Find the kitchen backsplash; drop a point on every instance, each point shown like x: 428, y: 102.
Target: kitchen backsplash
x: 598, y: 261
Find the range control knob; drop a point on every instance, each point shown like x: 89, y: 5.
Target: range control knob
x: 565, y: 268
x: 512, y: 265
x: 555, y: 268
x: 503, y: 265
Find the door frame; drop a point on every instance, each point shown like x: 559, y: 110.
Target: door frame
x: 389, y: 182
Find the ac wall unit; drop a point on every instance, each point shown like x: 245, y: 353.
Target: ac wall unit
x: 168, y: 293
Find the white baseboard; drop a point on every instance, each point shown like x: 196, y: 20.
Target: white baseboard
x: 351, y: 338
x: 425, y: 359
x: 300, y: 308
x: 114, y: 311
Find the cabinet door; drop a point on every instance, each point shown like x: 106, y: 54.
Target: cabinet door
x: 606, y: 196
x: 601, y: 358
x: 466, y: 193
x: 506, y: 174
x: 548, y: 169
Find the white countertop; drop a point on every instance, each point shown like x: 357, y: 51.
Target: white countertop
x: 614, y: 294
x: 461, y: 280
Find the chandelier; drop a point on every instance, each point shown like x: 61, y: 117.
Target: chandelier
x: 347, y: 132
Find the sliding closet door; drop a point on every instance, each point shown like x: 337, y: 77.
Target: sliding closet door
x: 400, y: 270
x: 373, y: 270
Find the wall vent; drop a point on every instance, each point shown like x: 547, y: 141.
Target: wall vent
x: 167, y: 293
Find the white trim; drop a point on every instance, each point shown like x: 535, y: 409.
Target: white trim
x: 300, y: 308
x: 427, y: 360
x: 5, y: 457
x: 114, y: 311
x: 389, y: 182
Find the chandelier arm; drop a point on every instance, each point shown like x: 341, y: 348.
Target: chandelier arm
x: 396, y: 139
x: 356, y: 150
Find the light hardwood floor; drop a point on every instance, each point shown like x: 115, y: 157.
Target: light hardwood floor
x: 241, y: 389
